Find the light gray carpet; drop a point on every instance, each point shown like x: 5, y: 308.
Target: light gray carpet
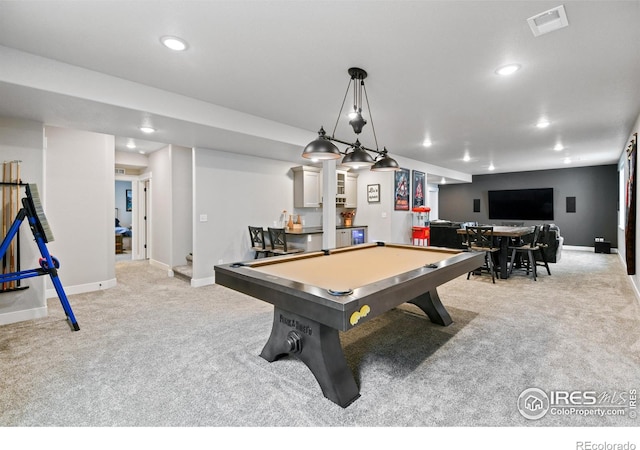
x: 153, y: 351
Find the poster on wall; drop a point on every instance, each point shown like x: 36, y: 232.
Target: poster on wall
x: 401, y: 190
x: 418, y: 189
x: 630, y: 229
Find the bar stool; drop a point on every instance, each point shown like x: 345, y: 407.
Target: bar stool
x: 279, y: 244
x: 258, y: 244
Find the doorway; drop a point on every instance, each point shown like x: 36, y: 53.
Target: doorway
x: 133, y: 200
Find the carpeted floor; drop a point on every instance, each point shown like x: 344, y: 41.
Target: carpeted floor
x: 153, y: 351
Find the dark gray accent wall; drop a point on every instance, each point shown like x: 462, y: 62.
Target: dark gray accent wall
x: 596, y: 200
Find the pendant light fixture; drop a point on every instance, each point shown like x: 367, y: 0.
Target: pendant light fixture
x: 356, y: 154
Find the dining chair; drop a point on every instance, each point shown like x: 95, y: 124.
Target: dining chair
x: 528, y: 249
x: 258, y: 243
x: 543, y: 244
x: 279, y: 246
x: 481, y: 239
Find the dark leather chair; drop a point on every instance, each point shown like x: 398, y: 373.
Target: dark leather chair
x: 279, y: 246
x: 258, y: 243
x: 445, y: 234
x: 481, y: 239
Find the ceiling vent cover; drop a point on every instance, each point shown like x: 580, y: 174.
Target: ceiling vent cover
x: 548, y: 21
x: 120, y: 171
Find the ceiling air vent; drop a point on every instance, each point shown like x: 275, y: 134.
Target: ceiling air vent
x: 548, y: 21
x: 119, y: 171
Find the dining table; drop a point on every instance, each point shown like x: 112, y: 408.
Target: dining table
x: 504, y: 234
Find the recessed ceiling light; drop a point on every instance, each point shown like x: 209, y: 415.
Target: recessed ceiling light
x: 142, y: 152
x: 492, y: 167
x: 147, y: 130
x: 558, y: 147
x: 543, y: 123
x: 466, y: 158
x: 567, y: 160
x: 443, y: 181
x: 427, y: 143
x: 131, y: 145
x: 508, y: 69
x: 174, y: 43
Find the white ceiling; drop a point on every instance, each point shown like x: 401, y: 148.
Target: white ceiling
x: 261, y: 77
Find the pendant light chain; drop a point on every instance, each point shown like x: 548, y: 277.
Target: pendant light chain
x: 341, y: 107
x: 370, y: 116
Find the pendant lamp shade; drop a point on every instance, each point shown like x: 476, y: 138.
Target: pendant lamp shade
x: 321, y: 148
x: 385, y: 163
x: 358, y: 157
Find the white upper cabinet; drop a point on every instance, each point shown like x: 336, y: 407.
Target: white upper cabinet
x: 307, y: 187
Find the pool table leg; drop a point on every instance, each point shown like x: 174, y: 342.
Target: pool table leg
x: 318, y: 347
x: 430, y: 303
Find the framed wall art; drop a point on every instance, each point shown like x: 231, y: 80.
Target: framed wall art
x: 401, y: 190
x: 373, y: 193
x: 418, y: 189
x: 128, y: 199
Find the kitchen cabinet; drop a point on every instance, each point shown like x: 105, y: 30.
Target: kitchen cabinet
x: 351, y: 190
x: 341, y: 186
x: 307, y: 187
x: 350, y: 236
x: 343, y: 238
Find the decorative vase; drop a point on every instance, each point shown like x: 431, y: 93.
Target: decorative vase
x: 347, y: 222
x: 290, y: 224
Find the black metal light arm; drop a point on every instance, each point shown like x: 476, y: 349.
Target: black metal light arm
x: 350, y: 144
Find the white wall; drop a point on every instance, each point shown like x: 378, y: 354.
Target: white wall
x: 234, y: 191
x: 182, y: 205
x: 160, y: 217
x: 23, y: 140
x: 378, y: 217
x: 170, y: 215
x: 130, y: 159
x: 80, y: 204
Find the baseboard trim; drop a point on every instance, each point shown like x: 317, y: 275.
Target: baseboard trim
x: 82, y: 288
x: 199, y: 282
x: 23, y: 315
x: 582, y: 248
x: 632, y: 279
x: 161, y: 265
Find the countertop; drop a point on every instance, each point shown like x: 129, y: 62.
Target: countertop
x: 318, y: 230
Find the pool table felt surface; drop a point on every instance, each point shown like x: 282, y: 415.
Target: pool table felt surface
x: 354, y: 267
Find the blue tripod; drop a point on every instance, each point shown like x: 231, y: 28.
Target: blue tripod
x: 33, y: 212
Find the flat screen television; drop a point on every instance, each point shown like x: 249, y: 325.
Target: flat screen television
x: 521, y: 204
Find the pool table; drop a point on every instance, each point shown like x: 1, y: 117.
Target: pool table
x: 316, y: 295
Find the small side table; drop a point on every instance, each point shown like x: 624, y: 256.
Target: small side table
x: 602, y: 246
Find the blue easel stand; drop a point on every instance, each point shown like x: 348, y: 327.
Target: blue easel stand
x: 32, y: 211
